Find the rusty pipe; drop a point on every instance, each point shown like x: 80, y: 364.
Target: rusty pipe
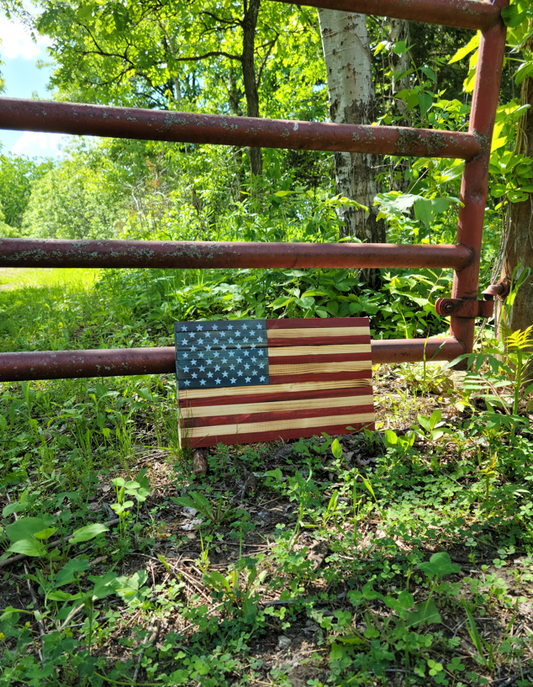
x: 474, y: 185
x: 156, y: 125
x: 141, y: 361
x: 465, y: 14
x: 206, y: 254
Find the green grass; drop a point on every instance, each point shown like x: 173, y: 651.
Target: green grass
x: 396, y: 558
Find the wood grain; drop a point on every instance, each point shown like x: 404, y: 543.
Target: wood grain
x: 319, y: 350
x: 299, y: 333
x: 279, y: 426
x: 317, y: 368
x: 288, y: 387
x: 326, y: 323
x: 273, y: 406
x: 255, y: 437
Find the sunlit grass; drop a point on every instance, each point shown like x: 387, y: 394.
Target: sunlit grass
x: 47, y: 276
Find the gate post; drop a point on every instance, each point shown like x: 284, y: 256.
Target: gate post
x: 474, y: 184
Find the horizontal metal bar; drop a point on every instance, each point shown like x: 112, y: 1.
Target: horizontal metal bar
x: 207, y: 254
x: 184, y: 127
x: 140, y: 361
x: 465, y: 14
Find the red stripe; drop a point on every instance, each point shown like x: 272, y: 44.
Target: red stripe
x: 319, y: 377
x: 286, y: 396
x: 274, y: 416
x: 320, y: 339
x: 257, y: 437
x: 318, y: 358
x: 318, y: 323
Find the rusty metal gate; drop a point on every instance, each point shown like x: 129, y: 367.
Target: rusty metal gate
x: 120, y: 122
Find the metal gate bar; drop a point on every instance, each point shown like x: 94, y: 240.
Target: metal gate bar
x: 183, y: 127
x: 474, y: 147
x: 139, y: 361
x: 211, y: 254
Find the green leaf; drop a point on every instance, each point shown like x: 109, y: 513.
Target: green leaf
x: 425, y: 612
x: 30, y: 547
x: 45, y: 534
x: 472, y: 44
x: 439, y: 565
x: 88, y: 532
x: 67, y: 574
x: 336, y: 449
x: 25, y: 528
x: 425, y: 101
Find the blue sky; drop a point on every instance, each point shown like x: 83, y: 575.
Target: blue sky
x: 22, y: 79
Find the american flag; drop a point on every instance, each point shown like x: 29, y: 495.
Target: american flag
x: 247, y: 381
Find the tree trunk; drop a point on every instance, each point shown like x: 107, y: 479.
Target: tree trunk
x: 399, y: 31
x: 249, y: 24
x: 519, y: 241
x: 352, y: 101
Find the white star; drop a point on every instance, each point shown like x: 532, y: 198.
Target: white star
x: 193, y: 362
x: 218, y: 380
x: 238, y: 346
x: 252, y: 345
x: 231, y: 340
x: 253, y: 372
x: 185, y: 369
x: 193, y: 348
x: 208, y: 348
x: 231, y: 354
x: 187, y: 382
x: 184, y: 328
x: 224, y: 374
x: 215, y: 327
x: 209, y: 374
x: 259, y: 326
x: 239, y: 360
x: 230, y: 326
x: 245, y: 340
x: 223, y: 347
x: 232, y: 367
x: 238, y: 333
x: 200, y: 341
x: 202, y: 381
x: 248, y: 379
x: 224, y: 361
x: 202, y: 369
x: 233, y: 380
x: 184, y: 354
x: 246, y: 366
x: 244, y: 326
x: 199, y: 328
x: 215, y: 341
x: 246, y: 353
x: 217, y: 368
x: 262, y: 379
x: 194, y: 375
x: 216, y: 354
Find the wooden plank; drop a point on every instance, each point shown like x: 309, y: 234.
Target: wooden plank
x: 298, y: 385
x: 317, y: 368
x: 320, y: 350
x: 274, y: 406
x: 306, y: 333
x: 338, y: 358
x: 322, y: 323
x: 281, y: 425
x: 360, y: 390
x: 325, y: 377
x: 244, y: 420
x: 256, y: 437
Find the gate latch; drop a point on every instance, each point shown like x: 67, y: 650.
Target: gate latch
x: 461, y: 307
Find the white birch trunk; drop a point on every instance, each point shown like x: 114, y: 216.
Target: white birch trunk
x: 351, y: 98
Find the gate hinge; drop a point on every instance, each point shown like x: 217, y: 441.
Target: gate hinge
x: 461, y: 307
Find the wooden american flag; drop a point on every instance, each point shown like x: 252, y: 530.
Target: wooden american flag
x: 247, y: 381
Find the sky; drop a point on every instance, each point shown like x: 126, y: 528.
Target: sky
x: 23, y: 79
